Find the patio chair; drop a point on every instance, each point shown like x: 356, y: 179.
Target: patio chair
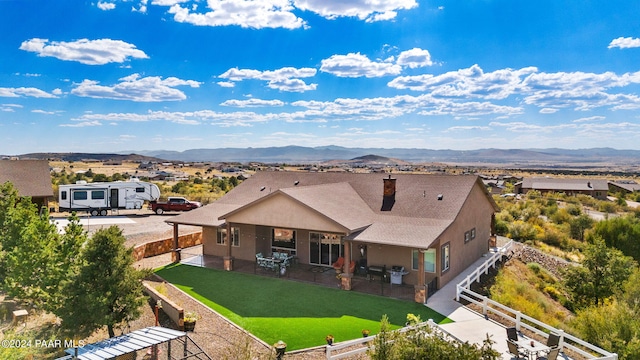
x: 512, y: 334
x: 338, y: 264
x: 553, y: 341
x: 552, y: 355
x: 513, y: 349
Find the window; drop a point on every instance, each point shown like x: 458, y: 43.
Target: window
x: 429, y: 260
x: 139, y: 189
x: 97, y: 194
x: 63, y: 195
x: 473, y: 233
x: 79, y: 195
x: 283, y: 238
x: 467, y: 236
x: 222, y: 236
x: 444, y: 253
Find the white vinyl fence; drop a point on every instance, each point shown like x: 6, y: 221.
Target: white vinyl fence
x: 520, y: 320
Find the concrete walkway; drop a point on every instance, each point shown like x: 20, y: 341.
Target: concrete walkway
x: 468, y: 325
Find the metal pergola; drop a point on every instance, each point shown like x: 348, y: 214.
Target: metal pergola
x: 129, y: 344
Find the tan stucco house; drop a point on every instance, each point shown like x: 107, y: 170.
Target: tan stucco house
x: 434, y: 226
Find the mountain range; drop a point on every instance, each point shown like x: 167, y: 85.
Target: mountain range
x: 300, y: 154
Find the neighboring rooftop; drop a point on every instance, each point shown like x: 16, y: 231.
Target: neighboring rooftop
x: 30, y: 177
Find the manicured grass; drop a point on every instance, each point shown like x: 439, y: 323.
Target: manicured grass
x: 299, y: 314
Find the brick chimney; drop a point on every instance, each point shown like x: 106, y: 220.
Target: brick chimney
x: 389, y: 194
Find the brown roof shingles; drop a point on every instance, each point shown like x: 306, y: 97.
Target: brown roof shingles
x: 30, y: 177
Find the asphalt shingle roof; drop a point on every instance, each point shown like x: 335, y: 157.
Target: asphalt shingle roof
x: 30, y: 177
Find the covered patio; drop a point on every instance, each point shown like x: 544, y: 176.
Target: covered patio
x: 319, y: 275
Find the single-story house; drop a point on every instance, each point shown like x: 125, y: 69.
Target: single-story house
x: 30, y: 177
x: 596, y: 188
x: 434, y: 226
x: 625, y: 186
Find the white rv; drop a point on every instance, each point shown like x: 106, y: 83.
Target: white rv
x: 96, y: 198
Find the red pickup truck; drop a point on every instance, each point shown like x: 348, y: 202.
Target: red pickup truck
x: 173, y: 204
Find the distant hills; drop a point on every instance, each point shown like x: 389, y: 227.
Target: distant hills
x: 300, y: 154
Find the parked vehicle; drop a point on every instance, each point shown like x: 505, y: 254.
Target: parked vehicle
x: 173, y: 204
x: 96, y: 198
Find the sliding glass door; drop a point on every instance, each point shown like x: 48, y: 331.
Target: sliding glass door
x: 324, y: 248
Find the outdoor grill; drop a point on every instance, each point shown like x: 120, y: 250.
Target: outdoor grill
x: 396, y: 273
x: 375, y: 270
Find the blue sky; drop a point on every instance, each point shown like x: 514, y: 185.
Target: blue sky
x: 106, y: 76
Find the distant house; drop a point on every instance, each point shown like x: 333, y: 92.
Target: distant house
x: 625, y: 186
x: 596, y: 188
x: 434, y: 226
x: 30, y: 177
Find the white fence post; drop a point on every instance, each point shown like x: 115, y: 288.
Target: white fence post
x: 518, y: 319
x: 485, y: 305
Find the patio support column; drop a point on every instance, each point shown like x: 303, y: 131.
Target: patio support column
x: 345, y: 277
x: 175, y: 252
x: 420, y: 291
x: 228, y: 259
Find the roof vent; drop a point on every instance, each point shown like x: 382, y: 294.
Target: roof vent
x: 296, y: 182
x: 262, y: 188
x: 440, y: 196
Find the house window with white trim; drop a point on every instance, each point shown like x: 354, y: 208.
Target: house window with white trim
x: 222, y: 236
x: 429, y: 260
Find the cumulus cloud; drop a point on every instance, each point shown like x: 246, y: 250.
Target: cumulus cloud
x: 284, y: 79
x: 624, y: 43
x: 368, y: 10
x: 358, y: 65
x: 414, y: 58
x: 135, y: 88
x: 82, y: 124
x: 256, y: 14
x: 25, y: 91
x: 106, y: 5
x: 470, y: 82
x: 90, y: 52
x: 252, y: 103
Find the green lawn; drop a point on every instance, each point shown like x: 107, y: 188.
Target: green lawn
x: 299, y: 314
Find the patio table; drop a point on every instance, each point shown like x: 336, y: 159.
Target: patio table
x: 532, y: 347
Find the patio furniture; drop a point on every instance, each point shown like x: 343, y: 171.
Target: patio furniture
x: 532, y: 348
x: 512, y: 334
x: 338, y: 264
x: 552, y: 355
x: 553, y: 341
x: 513, y: 349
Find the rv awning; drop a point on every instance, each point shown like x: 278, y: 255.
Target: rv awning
x: 125, y: 344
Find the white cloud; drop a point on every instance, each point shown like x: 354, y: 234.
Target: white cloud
x: 256, y: 14
x: 226, y: 84
x: 414, y: 58
x: 284, y: 79
x: 44, y: 112
x: 624, y: 43
x: 369, y: 10
x: 548, y: 111
x: 470, y: 82
x: 135, y: 88
x: 83, y: 124
x: 106, y: 5
x: 358, y: 65
x: 90, y: 52
x: 589, y: 119
x: 467, y: 128
x: 252, y: 103
x: 25, y: 91
x: 527, y: 127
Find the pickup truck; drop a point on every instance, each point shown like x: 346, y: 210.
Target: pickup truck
x: 173, y: 204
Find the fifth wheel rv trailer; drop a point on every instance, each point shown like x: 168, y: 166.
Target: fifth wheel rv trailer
x: 96, y: 198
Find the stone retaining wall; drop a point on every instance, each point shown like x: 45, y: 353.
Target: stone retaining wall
x: 159, y: 247
x: 553, y: 264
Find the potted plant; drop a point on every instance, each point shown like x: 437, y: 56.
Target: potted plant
x: 280, y: 347
x: 329, y: 339
x: 365, y: 332
x: 190, y: 318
